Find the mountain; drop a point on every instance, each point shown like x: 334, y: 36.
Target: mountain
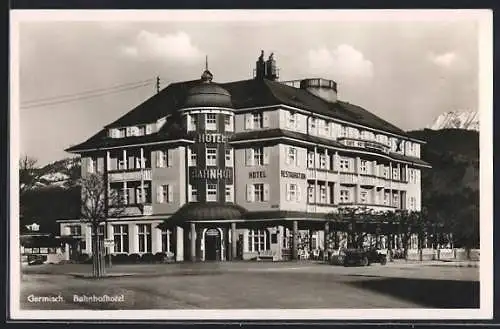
x: 456, y: 120
x: 450, y: 190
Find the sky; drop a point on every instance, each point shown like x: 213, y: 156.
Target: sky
x: 406, y: 71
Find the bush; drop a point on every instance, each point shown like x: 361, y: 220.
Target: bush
x: 120, y: 258
x: 147, y: 258
x: 134, y: 258
x: 160, y: 257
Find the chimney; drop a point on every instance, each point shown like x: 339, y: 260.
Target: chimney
x: 266, y: 69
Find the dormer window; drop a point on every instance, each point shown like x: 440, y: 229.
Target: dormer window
x: 258, y: 120
x: 211, y: 121
x: 122, y: 132
x: 141, y: 130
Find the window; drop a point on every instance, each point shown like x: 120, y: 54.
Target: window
x: 258, y: 192
x: 292, y: 192
x: 322, y: 194
x: 211, y: 122
x: 344, y: 164
x: 312, y: 125
x: 395, y: 200
x: 211, y: 192
x: 164, y: 158
x: 229, y: 157
x: 258, y: 120
x: 326, y: 128
x: 229, y: 193
x: 292, y: 155
x: 310, y: 160
x: 395, y: 173
x: 91, y: 168
x: 122, y: 132
x: 310, y: 194
x: 322, y: 161
x: 386, y: 199
x: 141, y: 130
x: 75, y: 230
x: 144, y: 237
x: 343, y: 131
x: 194, y: 195
x: 363, y: 197
x: 256, y: 240
x: 166, y: 241
x: 386, y: 172
x: 344, y: 196
x: 165, y: 194
x: 122, y: 164
x: 120, y: 236
x: 192, y: 159
x: 228, y: 123
x: 211, y: 156
x: 363, y: 166
x: 292, y: 120
x: 258, y: 156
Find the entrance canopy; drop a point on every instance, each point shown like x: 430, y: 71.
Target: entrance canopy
x: 195, y: 211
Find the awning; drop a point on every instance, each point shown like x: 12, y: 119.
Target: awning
x: 195, y: 211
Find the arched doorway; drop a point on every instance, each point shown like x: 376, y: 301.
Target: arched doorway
x: 213, y: 244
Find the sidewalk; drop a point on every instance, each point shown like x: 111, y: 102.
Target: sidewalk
x: 442, y: 263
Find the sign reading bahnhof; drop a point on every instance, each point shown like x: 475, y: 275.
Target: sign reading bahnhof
x: 212, y: 174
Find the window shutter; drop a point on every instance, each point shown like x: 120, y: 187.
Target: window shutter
x: 297, y: 158
x: 131, y: 195
x: 266, y: 155
x: 170, y: 157
x: 288, y: 196
x: 265, y: 119
x: 100, y: 165
x: 131, y: 162
x: 149, y: 129
x: 248, y: 121
x: 128, y: 131
x: 250, y: 193
x: 299, y: 196
x: 249, y: 157
x: 287, y: 115
x: 159, y: 194
x: 159, y: 159
x: 188, y: 122
x: 170, y: 193
x: 287, y: 154
x: 266, y: 192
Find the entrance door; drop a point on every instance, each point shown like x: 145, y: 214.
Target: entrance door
x: 212, y: 244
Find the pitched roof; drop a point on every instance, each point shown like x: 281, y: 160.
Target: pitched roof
x: 244, y: 94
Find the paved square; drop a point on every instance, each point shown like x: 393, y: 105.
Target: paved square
x: 253, y: 285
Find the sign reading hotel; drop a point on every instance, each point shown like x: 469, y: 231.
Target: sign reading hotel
x: 212, y: 138
x: 211, y: 174
x: 291, y: 174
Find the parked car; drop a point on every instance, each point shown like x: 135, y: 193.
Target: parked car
x: 36, y: 260
x: 361, y: 257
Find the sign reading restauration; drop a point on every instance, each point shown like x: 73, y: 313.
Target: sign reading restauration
x: 211, y: 174
x: 291, y: 174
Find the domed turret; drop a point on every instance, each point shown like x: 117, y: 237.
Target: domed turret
x: 207, y: 93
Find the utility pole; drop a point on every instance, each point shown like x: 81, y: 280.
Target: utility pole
x: 157, y: 84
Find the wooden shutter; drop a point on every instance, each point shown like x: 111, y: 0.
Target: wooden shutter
x: 250, y: 193
x: 298, y: 193
x: 249, y: 157
x: 248, y: 121
x: 159, y: 194
x: 266, y: 192
x: 188, y: 122
x: 131, y: 162
x: 149, y: 129
x: 265, y: 119
x: 288, y: 196
x: 287, y: 155
x: 128, y: 132
x: 170, y: 193
x: 100, y: 165
x: 266, y: 155
x: 159, y: 159
x: 170, y: 157
x: 297, y: 158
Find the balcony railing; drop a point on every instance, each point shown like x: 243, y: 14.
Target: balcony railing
x: 348, y: 178
x: 136, y: 209
x: 130, y: 175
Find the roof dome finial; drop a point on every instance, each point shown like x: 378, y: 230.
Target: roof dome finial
x: 207, y: 76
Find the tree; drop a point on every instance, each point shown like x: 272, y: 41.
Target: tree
x: 97, y: 206
x: 29, y: 174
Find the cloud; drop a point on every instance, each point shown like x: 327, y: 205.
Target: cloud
x: 172, y: 47
x: 343, y: 62
x: 443, y: 60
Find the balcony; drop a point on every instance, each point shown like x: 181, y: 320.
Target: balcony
x: 348, y: 178
x: 364, y: 144
x: 138, y: 209
x: 367, y: 180
x: 130, y: 175
x: 321, y: 208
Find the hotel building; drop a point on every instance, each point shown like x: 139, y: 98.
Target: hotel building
x: 239, y: 170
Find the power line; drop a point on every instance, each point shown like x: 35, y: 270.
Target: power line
x: 100, y: 90
x: 84, y: 97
